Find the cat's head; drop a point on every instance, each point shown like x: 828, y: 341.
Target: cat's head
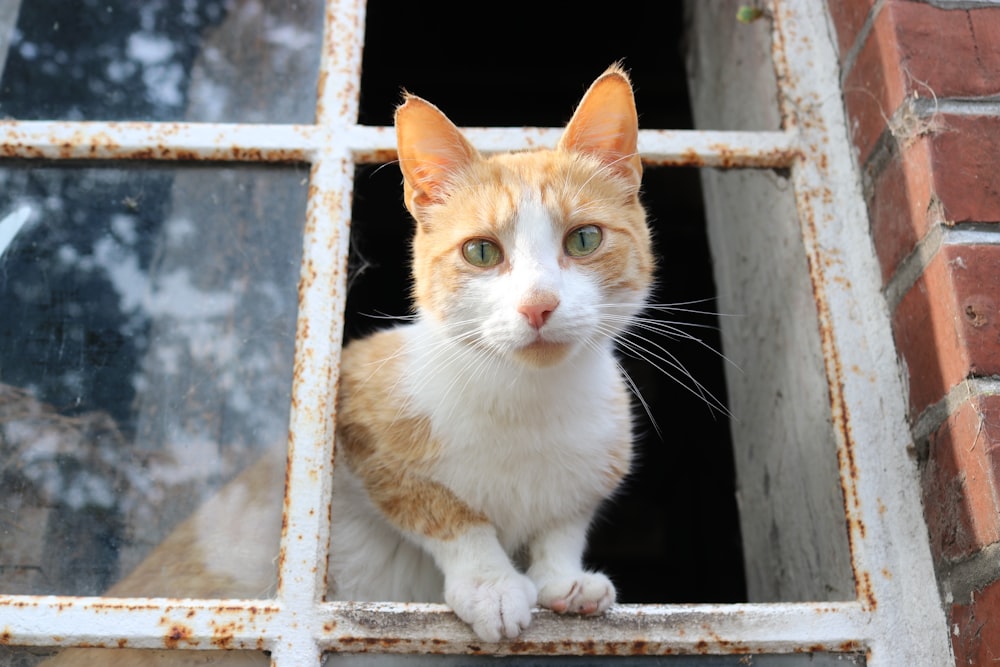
x: 530, y: 255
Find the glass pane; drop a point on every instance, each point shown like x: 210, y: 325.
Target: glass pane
x: 147, y: 324
x: 97, y: 657
x: 161, y: 60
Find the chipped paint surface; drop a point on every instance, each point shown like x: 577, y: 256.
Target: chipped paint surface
x: 297, y: 626
x: 624, y: 630
x: 62, y: 140
x: 136, y: 622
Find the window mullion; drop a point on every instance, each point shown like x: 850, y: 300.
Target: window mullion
x: 29, y: 620
x: 322, y: 295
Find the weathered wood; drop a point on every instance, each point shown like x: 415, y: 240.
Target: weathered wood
x: 791, y: 505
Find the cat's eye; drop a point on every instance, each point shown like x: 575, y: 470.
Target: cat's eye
x: 582, y: 241
x: 482, y: 253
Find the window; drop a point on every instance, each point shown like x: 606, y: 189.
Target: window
x: 161, y: 220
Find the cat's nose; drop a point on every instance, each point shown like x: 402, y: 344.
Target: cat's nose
x: 538, y: 312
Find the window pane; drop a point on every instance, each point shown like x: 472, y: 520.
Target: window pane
x: 147, y: 324
x: 197, y: 60
x: 97, y: 657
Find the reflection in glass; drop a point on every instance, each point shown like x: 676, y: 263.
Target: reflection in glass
x: 147, y: 324
x: 197, y: 60
x: 101, y: 657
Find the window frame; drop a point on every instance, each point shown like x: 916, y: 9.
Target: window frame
x: 896, y: 616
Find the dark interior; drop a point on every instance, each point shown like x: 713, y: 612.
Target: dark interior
x: 673, y: 533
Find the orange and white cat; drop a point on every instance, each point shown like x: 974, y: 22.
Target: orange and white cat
x: 476, y: 443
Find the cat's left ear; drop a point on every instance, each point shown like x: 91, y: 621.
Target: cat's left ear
x: 606, y: 125
x: 431, y: 151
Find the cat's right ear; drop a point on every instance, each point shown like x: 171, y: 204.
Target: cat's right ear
x: 431, y: 151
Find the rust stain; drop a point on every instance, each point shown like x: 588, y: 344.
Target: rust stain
x: 178, y: 634
x: 223, y: 635
x: 865, y: 593
x: 714, y: 645
x: 840, y: 413
x: 377, y: 156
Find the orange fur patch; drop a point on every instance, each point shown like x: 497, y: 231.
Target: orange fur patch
x: 390, y: 450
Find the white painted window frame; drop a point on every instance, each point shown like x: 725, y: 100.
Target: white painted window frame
x: 896, y: 617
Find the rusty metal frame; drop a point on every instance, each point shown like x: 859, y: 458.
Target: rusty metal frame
x: 896, y: 616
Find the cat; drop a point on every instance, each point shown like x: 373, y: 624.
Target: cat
x: 476, y: 442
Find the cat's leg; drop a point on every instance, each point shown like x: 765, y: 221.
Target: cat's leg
x: 557, y: 570
x: 481, y: 584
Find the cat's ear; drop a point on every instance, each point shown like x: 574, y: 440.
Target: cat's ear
x: 606, y: 126
x: 431, y: 151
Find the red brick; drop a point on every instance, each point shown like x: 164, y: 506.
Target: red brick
x: 959, y: 480
x: 917, y: 49
x: 975, y: 632
x: 848, y: 17
x: 875, y: 86
x: 949, y: 175
x: 966, y: 178
x: 947, y: 326
x: 976, y: 276
x: 899, y: 205
x: 927, y: 337
x: 948, y: 51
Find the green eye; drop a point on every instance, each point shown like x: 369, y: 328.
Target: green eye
x: 482, y: 253
x: 583, y: 240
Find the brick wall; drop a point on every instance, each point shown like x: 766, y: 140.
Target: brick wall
x: 921, y: 87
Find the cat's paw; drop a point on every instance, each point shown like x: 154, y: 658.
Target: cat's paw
x: 496, y: 605
x: 585, y: 593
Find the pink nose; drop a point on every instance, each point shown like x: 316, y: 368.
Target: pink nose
x: 537, y: 313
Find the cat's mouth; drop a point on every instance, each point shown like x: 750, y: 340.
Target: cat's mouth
x: 542, y: 352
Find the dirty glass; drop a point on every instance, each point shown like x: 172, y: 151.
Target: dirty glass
x: 160, y: 60
x: 147, y: 324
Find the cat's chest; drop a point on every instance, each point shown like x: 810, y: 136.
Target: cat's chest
x: 528, y: 450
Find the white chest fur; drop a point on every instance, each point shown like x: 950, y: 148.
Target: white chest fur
x: 524, y: 446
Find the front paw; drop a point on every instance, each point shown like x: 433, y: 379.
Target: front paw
x: 495, y: 605
x: 585, y: 593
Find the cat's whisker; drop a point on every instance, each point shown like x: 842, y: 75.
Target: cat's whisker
x: 634, y: 388
x: 686, y: 379
x: 382, y: 166
x: 662, y: 359
x: 409, y: 317
x: 597, y: 346
x: 670, y: 329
